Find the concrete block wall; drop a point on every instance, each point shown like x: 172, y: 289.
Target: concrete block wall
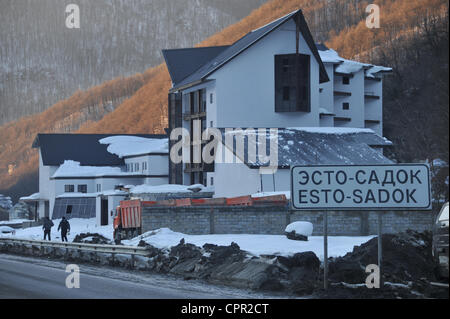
x: 273, y: 220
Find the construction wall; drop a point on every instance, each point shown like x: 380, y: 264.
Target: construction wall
x: 273, y: 220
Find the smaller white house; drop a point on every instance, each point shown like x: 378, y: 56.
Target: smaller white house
x: 84, y: 175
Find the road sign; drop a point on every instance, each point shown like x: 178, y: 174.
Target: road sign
x: 363, y: 187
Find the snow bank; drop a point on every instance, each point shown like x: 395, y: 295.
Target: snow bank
x: 6, y: 230
x: 300, y: 228
x: 123, y: 146
x: 164, y: 238
x: 256, y: 245
x: 77, y: 226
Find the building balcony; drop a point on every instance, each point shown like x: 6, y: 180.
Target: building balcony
x: 341, y: 93
x: 188, y: 116
x: 342, y: 119
x: 372, y: 79
x: 371, y: 95
x: 198, y: 167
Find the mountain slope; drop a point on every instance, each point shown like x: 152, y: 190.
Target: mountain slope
x: 340, y: 23
x: 42, y: 61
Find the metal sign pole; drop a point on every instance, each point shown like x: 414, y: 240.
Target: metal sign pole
x: 325, y: 250
x: 380, y: 247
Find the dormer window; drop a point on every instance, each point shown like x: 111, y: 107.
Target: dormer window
x: 345, y: 80
x: 292, y: 88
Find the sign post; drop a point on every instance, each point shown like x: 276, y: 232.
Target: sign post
x: 380, y: 247
x: 325, y: 250
x: 363, y: 188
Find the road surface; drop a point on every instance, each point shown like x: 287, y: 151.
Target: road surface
x: 24, y: 277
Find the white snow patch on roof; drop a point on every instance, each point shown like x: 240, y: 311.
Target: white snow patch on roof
x: 332, y: 130
x: 349, y: 66
x: 124, y: 146
x: 74, y: 169
x: 167, y: 188
x: 264, y: 194
x: 34, y: 196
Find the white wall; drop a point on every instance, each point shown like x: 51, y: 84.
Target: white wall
x: 374, y: 108
x: 326, y: 97
x: 245, y: 86
x: 356, y: 100
x: 234, y: 179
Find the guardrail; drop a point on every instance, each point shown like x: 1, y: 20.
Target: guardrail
x: 108, y: 249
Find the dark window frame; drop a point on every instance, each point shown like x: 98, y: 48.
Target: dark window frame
x: 299, y: 83
x: 346, y: 106
x: 69, y: 188
x: 346, y: 80
x: 82, y: 188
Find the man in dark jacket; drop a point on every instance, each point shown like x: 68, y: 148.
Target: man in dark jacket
x: 48, y: 224
x: 64, y: 226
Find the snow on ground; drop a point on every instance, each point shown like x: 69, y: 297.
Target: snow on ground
x: 77, y: 226
x: 164, y: 238
x: 14, y: 221
x: 135, y: 145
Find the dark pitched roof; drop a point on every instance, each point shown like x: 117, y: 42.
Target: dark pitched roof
x: 247, y: 41
x: 297, y: 146
x: 321, y: 47
x: 83, y: 148
x: 183, y: 62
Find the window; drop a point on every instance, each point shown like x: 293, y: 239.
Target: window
x: 346, y: 106
x: 202, y: 100
x: 211, y: 98
x: 136, y: 167
x: 286, y: 93
x: 82, y: 189
x: 292, y: 85
x: 212, y: 181
x: 144, y: 166
x: 99, y: 188
x: 345, y: 80
x: 69, y: 188
x: 69, y: 209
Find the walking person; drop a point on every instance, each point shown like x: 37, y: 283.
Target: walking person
x: 65, y: 227
x: 47, y: 227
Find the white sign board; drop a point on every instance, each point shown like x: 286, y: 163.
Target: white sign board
x: 366, y: 187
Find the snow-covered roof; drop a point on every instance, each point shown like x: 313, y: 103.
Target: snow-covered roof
x: 316, y: 145
x: 124, y: 146
x: 33, y: 197
x: 348, y: 66
x: 167, y: 188
x: 74, y: 169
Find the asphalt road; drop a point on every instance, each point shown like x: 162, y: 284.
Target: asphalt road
x: 23, y: 277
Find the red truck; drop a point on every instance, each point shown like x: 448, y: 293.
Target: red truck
x: 128, y: 219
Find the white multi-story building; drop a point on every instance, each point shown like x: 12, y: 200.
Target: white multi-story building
x: 273, y: 77
x: 82, y: 175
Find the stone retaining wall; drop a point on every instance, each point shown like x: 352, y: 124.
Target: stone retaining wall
x: 273, y: 220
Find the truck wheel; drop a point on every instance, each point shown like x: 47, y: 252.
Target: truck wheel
x: 129, y: 234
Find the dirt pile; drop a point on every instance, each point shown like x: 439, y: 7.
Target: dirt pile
x: 409, y: 269
x: 91, y: 238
